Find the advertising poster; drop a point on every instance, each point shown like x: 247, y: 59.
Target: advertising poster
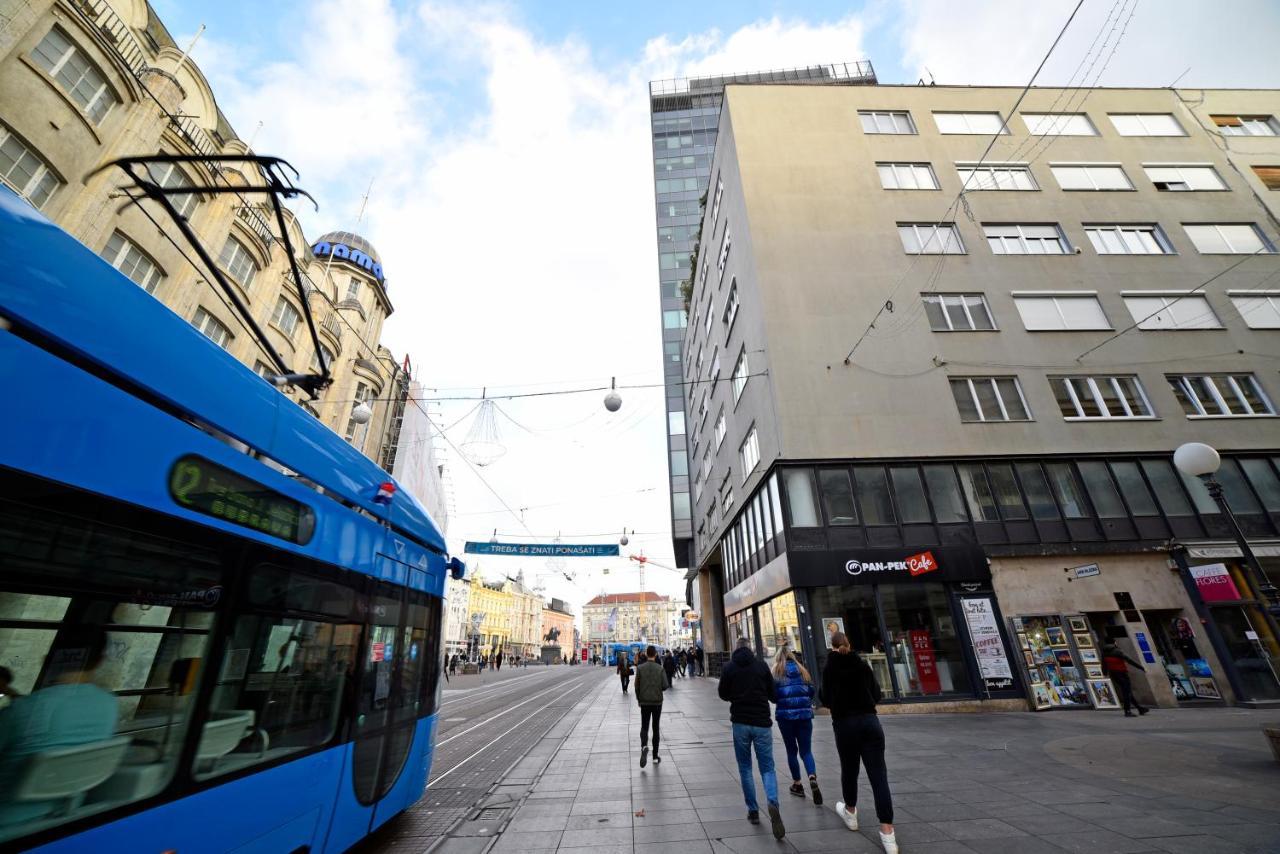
x: 988, y: 647
x: 831, y: 625
x: 1214, y: 583
x: 926, y: 662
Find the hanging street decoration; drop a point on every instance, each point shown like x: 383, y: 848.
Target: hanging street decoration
x: 483, y: 443
x: 551, y: 550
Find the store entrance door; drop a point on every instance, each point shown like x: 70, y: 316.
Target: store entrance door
x: 1243, y: 631
x: 1181, y: 653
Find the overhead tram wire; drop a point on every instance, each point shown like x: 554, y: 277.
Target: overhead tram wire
x: 994, y: 138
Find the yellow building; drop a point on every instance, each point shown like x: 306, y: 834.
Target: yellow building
x: 506, y: 617
x: 86, y: 82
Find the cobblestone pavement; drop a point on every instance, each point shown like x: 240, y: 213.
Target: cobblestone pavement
x: 1179, y: 780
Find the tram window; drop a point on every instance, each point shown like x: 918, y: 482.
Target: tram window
x: 285, y: 680
x: 104, y: 672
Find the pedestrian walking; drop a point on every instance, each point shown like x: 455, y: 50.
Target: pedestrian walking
x: 795, y: 720
x: 850, y: 691
x: 1116, y: 665
x: 747, y: 685
x: 669, y: 666
x: 701, y: 670
x: 481, y: 663
x: 624, y: 671
x: 497, y: 661
x: 681, y: 661
x: 651, y: 681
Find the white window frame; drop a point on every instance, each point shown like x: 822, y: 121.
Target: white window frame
x: 749, y: 453
x: 1186, y: 174
x: 721, y: 428
x: 942, y: 300
x: 726, y: 243
x: 1141, y: 120
x: 212, y: 328
x: 1059, y: 124
x: 1095, y: 234
x: 1024, y: 239
x: 896, y: 172
x: 286, y: 317
x: 362, y: 394
x: 353, y: 289
x: 1258, y: 309
x: 967, y: 118
x: 1265, y: 245
x: 932, y: 232
x: 129, y: 254
x: 1058, y: 299
x: 995, y: 177
x: 731, y: 305
x: 1092, y: 172
x: 890, y: 118
x: 1215, y: 387
x: 170, y: 176
x: 102, y: 91
x: 1076, y: 385
x: 1249, y: 125
x: 995, y: 387
x: 42, y: 180
x: 741, y: 372
x: 715, y: 204
x: 1148, y: 321
x: 235, y: 256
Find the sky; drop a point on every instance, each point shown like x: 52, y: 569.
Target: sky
x: 505, y: 150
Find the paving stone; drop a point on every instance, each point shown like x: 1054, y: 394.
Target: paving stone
x: 595, y: 836
x: 1201, y: 844
x: 979, y: 828
x: 1101, y: 842
x: 524, y: 840
x: 587, y: 822
x: 669, y: 832
x: 693, y: 846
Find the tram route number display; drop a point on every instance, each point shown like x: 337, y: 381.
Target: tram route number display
x: 206, y: 487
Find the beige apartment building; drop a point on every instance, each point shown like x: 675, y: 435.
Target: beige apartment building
x: 86, y: 82
x: 932, y: 396
x: 631, y: 618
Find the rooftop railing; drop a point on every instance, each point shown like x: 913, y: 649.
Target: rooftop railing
x: 838, y: 72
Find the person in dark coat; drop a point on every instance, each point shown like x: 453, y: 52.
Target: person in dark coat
x: 669, y: 666
x: 698, y: 656
x: 850, y: 691
x: 1116, y: 665
x: 747, y: 685
x: 651, y: 681
x: 795, y: 720
x: 624, y: 670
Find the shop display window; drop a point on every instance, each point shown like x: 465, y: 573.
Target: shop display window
x: 926, y: 650
x: 851, y: 610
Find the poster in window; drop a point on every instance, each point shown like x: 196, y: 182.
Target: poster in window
x: 831, y: 625
x: 926, y: 661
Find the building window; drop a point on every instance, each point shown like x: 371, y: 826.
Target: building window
x: 1268, y: 175
x: 353, y: 426
x: 325, y: 356
x: 714, y: 373
x: 1086, y: 177
x: 123, y: 254
x: 237, y: 261
x: 264, y: 370
x: 893, y: 121
x: 1060, y: 312
x: 215, y: 330
x: 1026, y: 239
x: 24, y: 172
x: 679, y: 463
x: 726, y: 492
x: 285, y: 317
x: 169, y: 176
x: 75, y: 74
x: 1146, y: 124
x: 676, y: 185
x: 907, y: 176
x: 720, y: 429
x: 353, y: 289
x: 1170, y: 310
x: 1180, y: 179
x: 1101, y: 397
x: 1220, y: 239
x: 1059, y: 124
x: 1247, y: 125
x: 1002, y: 177
x: 974, y: 123
x: 675, y: 423
x: 675, y: 319
x: 740, y: 375
x: 723, y: 260
x: 989, y: 399
x: 930, y: 238
x: 715, y: 203
x: 1258, y: 309
x: 1128, y: 240
x: 958, y: 312
x: 749, y: 454
x: 730, y: 308
x: 1220, y: 395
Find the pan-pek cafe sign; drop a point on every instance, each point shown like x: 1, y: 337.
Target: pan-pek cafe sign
x: 887, y: 566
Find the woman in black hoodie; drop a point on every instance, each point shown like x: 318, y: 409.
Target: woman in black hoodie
x: 850, y: 691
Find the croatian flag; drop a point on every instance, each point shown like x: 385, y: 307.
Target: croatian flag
x: 386, y: 492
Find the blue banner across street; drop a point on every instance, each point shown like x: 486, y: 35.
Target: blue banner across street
x: 542, y: 550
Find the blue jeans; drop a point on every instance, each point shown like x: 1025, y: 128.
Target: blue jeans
x: 761, y: 737
x: 797, y: 737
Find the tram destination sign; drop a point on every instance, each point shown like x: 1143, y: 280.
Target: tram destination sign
x: 542, y: 549
x: 206, y: 487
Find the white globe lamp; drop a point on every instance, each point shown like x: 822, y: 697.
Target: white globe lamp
x: 1196, y: 459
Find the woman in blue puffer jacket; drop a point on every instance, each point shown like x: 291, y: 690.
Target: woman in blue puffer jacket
x: 795, y: 719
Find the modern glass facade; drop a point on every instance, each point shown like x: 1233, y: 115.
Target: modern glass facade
x: 685, y: 115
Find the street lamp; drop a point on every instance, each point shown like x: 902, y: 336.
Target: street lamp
x: 1200, y: 460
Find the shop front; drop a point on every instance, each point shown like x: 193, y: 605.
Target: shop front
x: 927, y: 621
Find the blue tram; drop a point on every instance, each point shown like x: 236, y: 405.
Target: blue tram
x: 216, y: 634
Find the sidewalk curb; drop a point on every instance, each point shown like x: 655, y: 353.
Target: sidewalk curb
x: 483, y: 802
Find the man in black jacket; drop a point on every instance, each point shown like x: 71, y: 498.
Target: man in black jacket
x: 748, y: 686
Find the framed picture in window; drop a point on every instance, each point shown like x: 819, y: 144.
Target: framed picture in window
x: 1040, y: 695
x: 1089, y: 656
x: 1078, y: 624
x: 1057, y: 637
x: 1024, y: 641
x: 1093, y: 671
x: 831, y: 625
x: 1083, y: 641
x: 1030, y: 660
x: 1104, y: 694
x: 1205, y: 688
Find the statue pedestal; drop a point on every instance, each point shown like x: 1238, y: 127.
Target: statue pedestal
x: 470, y: 668
x: 551, y: 654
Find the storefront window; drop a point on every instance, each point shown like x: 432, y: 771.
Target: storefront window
x: 775, y: 505
x: 927, y: 655
x: 1252, y: 649
x: 741, y: 626
x: 786, y: 620
x: 851, y: 610
x: 801, y: 497
x: 770, y: 643
x: 837, y: 496
x: 910, y: 494
x: 948, y: 505
x: 873, y: 495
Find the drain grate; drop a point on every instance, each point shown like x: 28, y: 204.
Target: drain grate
x: 491, y: 814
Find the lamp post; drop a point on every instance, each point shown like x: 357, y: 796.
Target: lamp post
x: 1200, y: 460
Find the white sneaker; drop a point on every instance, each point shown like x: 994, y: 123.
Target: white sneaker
x: 890, y: 842
x: 850, y: 818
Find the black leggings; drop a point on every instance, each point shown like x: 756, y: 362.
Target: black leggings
x: 648, y: 713
x: 859, y: 738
